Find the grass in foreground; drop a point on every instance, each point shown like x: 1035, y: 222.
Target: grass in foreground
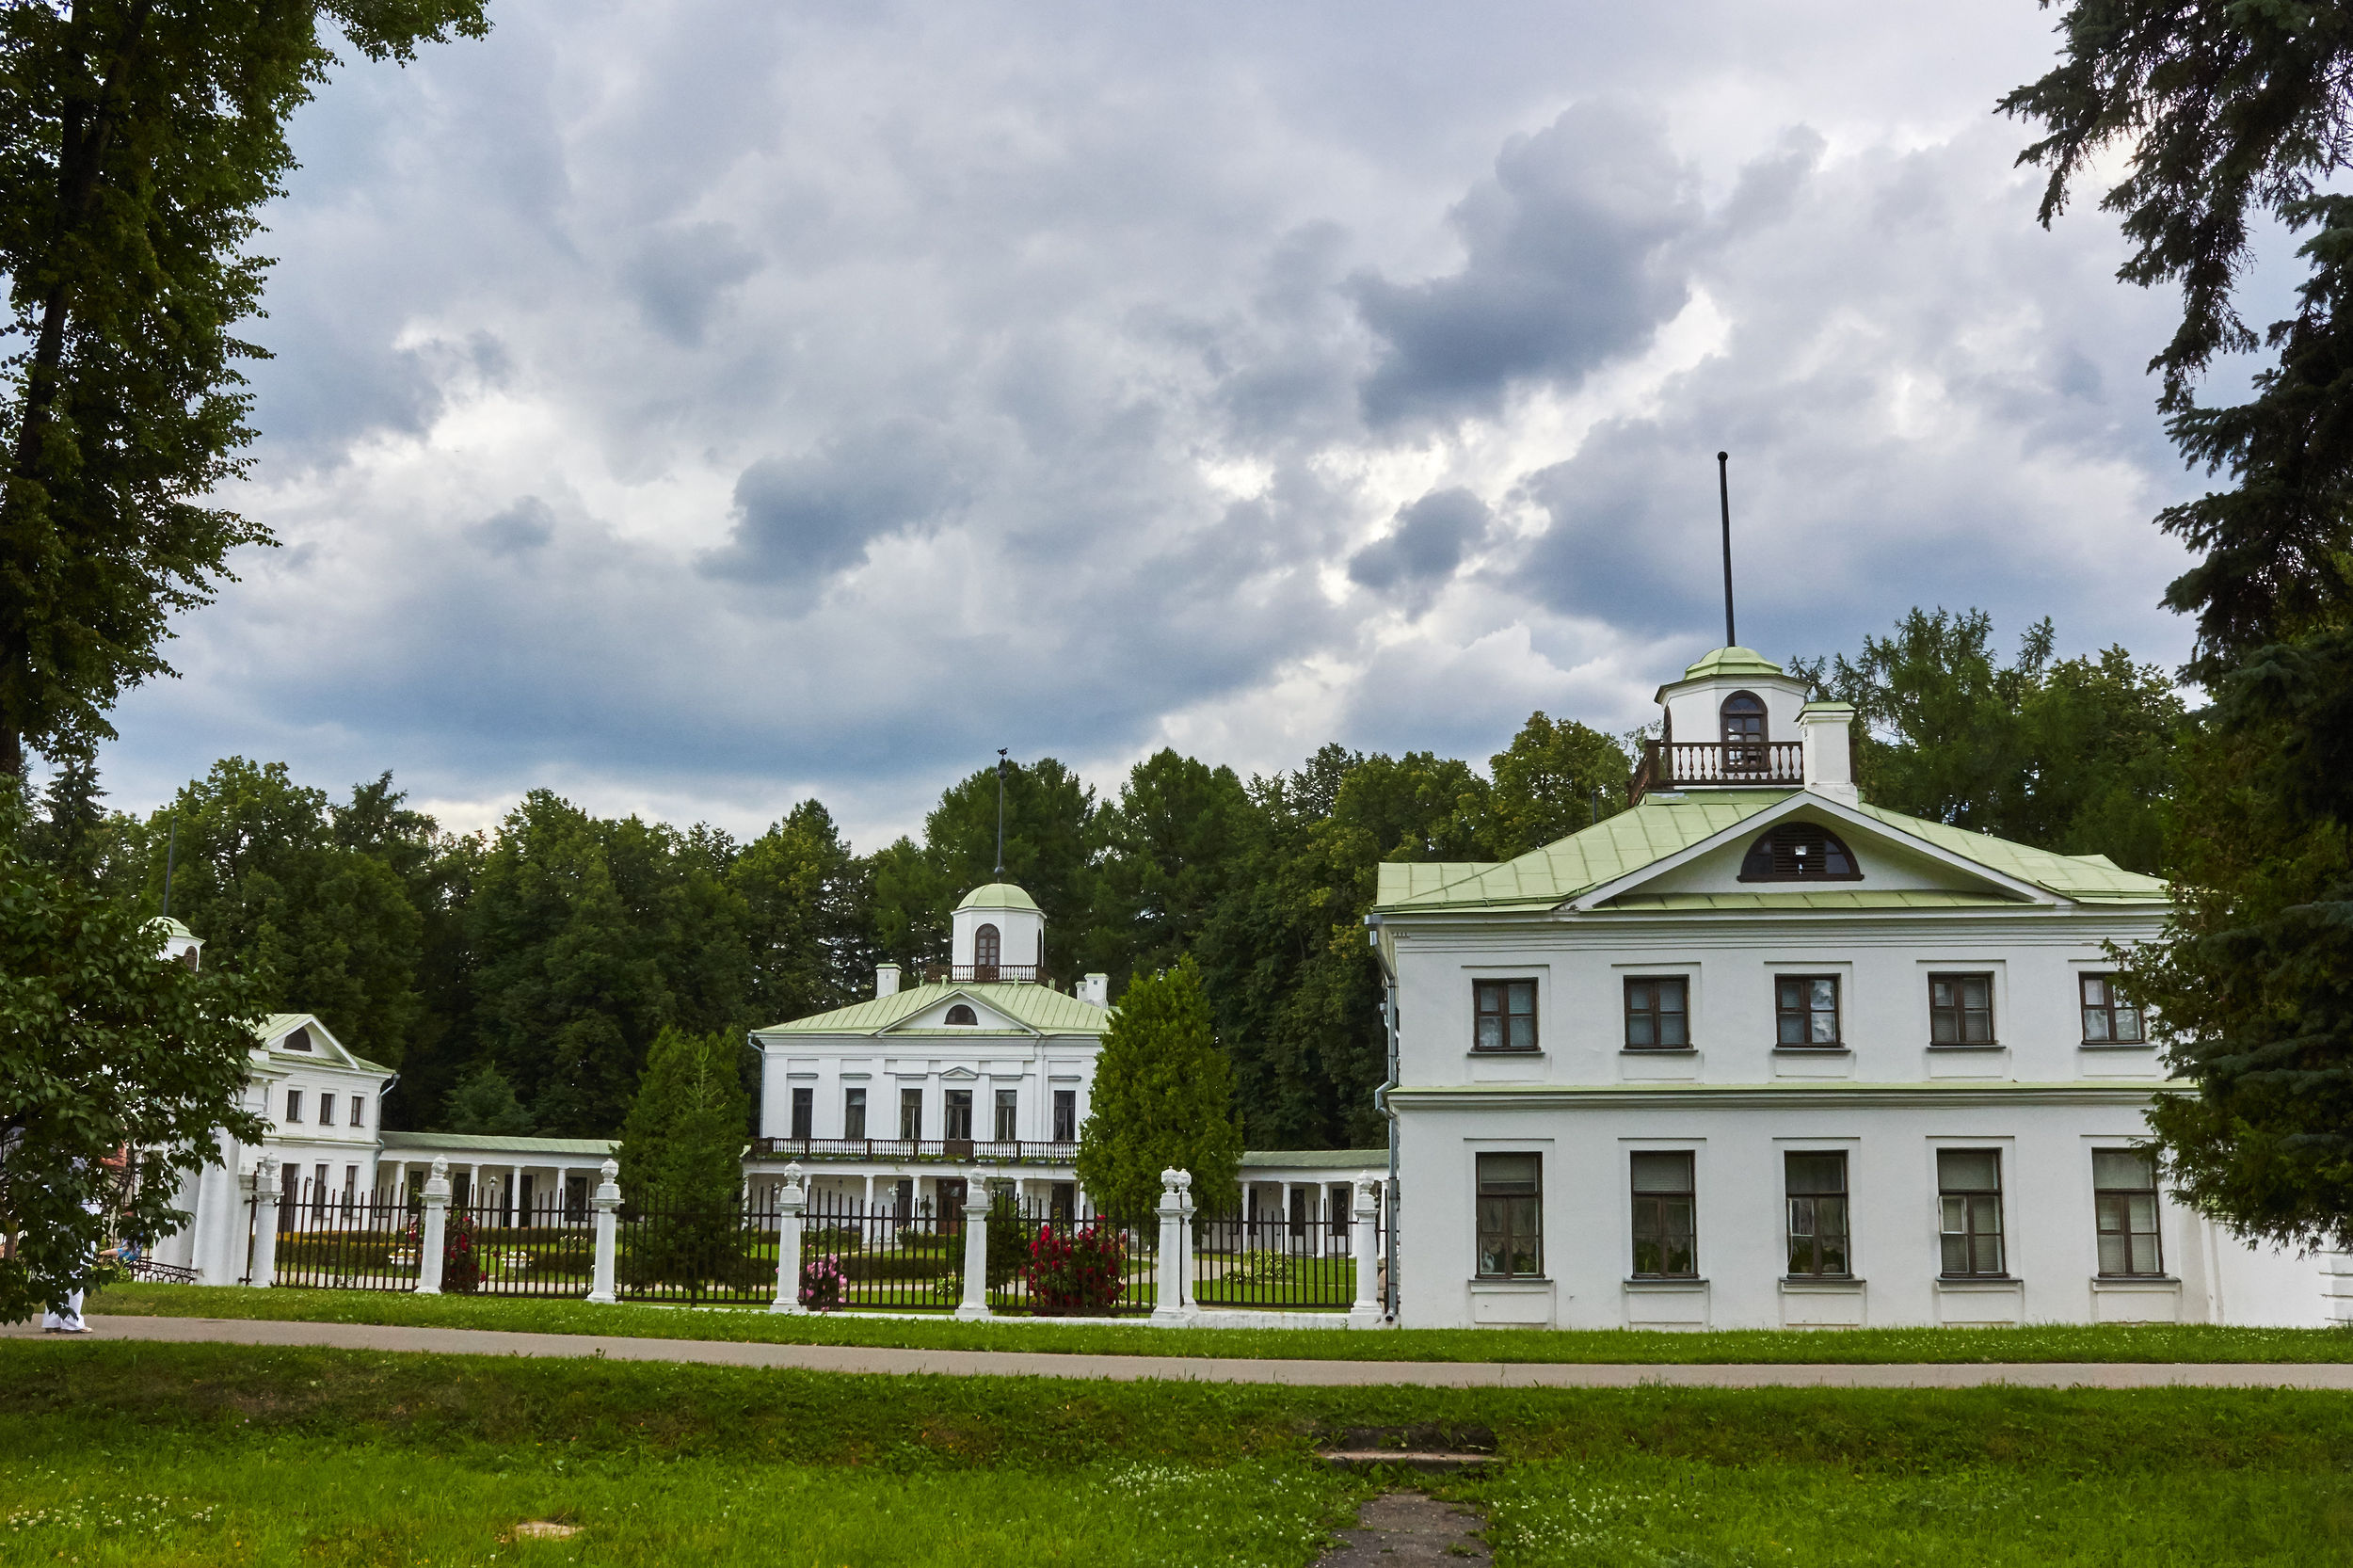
x: 2054, y: 1342
x: 135, y: 1455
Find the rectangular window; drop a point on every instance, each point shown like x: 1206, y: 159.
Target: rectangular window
x: 803, y: 1111
x: 1961, y: 1009
x: 911, y: 1114
x: 318, y: 1186
x: 1511, y: 1216
x: 852, y: 1114
x: 2108, y: 1019
x: 903, y: 1198
x: 1969, y: 1191
x: 1066, y: 1115
x: 327, y: 1110
x: 959, y: 1115
x: 1062, y: 1202
x: 1816, y: 1185
x: 1663, y: 1210
x: 293, y: 1104
x: 1505, y: 1012
x: 1658, y: 1014
x: 1008, y: 1116
x: 351, y: 1184
x: 359, y: 1111
x: 1807, y: 1010
x: 2124, y: 1193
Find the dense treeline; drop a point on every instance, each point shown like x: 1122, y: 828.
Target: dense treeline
x: 519, y: 976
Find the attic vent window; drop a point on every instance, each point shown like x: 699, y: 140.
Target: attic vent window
x: 299, y: 1040
x: 1798, y: 852
x: 963, y: 1016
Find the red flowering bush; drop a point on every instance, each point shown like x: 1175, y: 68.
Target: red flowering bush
x: 1076, y: 1272
x: 461, y: 1264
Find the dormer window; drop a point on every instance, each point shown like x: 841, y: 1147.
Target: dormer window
x: 1798, y: 852
x: 299, y: 1040
x: 962, y: 1017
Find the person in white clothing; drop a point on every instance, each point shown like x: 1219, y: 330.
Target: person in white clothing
x: 65, y: 1319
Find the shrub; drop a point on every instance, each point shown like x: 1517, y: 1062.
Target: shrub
x: 461, y: 1261
x: 822, y: 1283
x: 1075, y: 1273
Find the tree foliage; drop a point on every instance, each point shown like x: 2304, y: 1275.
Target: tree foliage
x: 1162, y: 1099
x: 2077, y: 755
x: 117, y: 1070
x: 139, y: 141
x: 682, y: 1143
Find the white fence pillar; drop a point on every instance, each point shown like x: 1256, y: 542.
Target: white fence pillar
x: 975, y: 1303
x: 1367, y: 1312
x: 429, y: 1235
x: 2336, y: 1286
x: 607, y: 1199
x: 266, y: 1189
x: 1168, y: 1266
x: 791, y: 1201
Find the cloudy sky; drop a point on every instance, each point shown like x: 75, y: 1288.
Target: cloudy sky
x: 697, y: 405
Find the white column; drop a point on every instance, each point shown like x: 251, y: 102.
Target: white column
x: 1367, y: 1312
x: 791, y: 1200
x: 975, y: 1303
x: 473, y: 1188
x: 1184, y: 1244
x: 264, y: 1222
x: 869, y: 1194
x: 607, y: 1199
x: 1168, y: 1266
x: 429, y: 1233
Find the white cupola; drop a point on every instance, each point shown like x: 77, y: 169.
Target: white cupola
x: 1000, y: 934
x: 179, y: 944
x: 1737, y: 720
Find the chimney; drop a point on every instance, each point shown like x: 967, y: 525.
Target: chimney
x: 1096, y: 989
x: 1824, y: 728
x: 887, y: 980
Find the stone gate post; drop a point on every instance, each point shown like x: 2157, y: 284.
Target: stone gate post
x: 430, y: 1234
x: 792, y: 1202
x: 975, y: 1303
x: 265, y: 1191
x: 608, y: 1199
x: 1168, y: 1266
x: 1366, y: 1313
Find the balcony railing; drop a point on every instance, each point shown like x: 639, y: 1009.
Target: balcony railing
x: 988, y: 975
x: 1671, y: 766
x: 958, y: 1150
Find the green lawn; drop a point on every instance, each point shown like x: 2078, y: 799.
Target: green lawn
x: 134, y: 1454
x: 2057, y: 1343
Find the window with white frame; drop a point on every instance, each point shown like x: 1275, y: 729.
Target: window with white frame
x: 1969, y: 1200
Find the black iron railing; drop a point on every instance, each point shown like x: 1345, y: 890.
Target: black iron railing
x: 1271, y: 1262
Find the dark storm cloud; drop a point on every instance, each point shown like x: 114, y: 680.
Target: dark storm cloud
x: 1569, y: 263
x: 678, y: 277
x: 800, y: 520
x: 1427, y: 542
x: 526, y: 526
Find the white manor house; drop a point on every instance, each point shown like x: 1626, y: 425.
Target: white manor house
x: 1753, y: 1053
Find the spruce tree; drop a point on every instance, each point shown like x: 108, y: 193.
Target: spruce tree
x: 682, y: 1166
x: 1163, y: 1100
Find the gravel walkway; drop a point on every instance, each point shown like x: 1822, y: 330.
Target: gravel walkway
x: 1428, y: 1374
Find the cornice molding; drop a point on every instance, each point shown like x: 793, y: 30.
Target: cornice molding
x: 1814, y: 1094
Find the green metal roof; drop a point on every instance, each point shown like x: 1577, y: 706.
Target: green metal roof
x: 1733, y: 661
x: 489, y: 1143
x: 1041, y: 1007
x: 174, y: 930
x: 1661, y: 828
x: 1318, y: 1159
x: 997, y: 895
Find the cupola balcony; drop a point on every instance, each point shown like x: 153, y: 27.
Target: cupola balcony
x: 1717, y: 764
x: 988, y: 975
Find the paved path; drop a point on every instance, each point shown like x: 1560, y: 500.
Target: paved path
x: 1128, y: 1368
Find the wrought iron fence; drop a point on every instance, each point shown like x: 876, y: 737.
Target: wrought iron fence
x: 696, y: 1252
x: 1274, y: 1262
x: 504, y: 1248
x: 332, y: 1241
x: 856, y: 1257
x: 1052, y: 1262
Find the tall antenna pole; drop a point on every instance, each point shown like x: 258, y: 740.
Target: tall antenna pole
x: 1000, y: 813
x: 1723, y: 494
x: 171, y: 852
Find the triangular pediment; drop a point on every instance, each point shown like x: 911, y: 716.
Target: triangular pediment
x: 939, y: 1014
x: 1889, y: 865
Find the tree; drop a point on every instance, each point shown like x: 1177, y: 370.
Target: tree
x: 2074, y: 755
x: 1555, y: 777
x: 682, y: 1158
x: 485, y: 1102
x: 323, y: 928
x: 1162, y: 1099
x: 117, y: 1072
x: 138, y: 138
x: 806, y: 902
x: 1173, y: 842
x: 1050, y: 846
x: 2233, y: 113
